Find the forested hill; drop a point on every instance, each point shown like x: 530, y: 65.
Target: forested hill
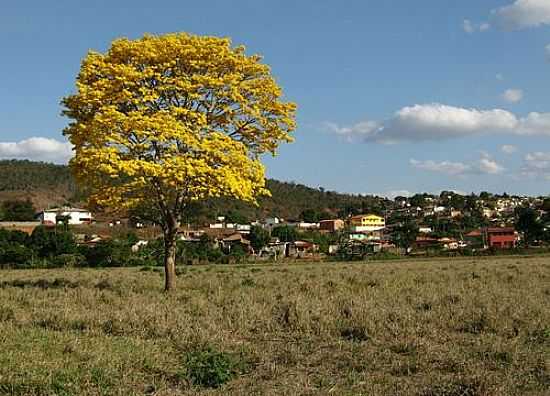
x: 28, y: 175
x: 44, y: 184
x: 49, y: 185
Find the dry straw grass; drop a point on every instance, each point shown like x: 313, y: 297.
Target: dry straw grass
x: 429, y: 328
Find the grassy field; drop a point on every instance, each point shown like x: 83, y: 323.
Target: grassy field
x: 453, y: 327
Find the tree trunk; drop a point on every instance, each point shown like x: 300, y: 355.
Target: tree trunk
x: 169, y: 261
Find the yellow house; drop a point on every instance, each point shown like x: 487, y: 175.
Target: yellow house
x: 369, y: 222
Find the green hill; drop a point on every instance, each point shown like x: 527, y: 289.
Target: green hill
x: 49, y: 185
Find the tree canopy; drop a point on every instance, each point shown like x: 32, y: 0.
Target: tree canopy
x: 171, y: 120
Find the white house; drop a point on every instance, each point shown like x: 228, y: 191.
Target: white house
x: 271, y: 222
x: 75, y: 216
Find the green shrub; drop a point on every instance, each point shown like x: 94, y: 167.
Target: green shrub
x: 6, y: 314
x: 68, y: 260
x: 355, y: 333
x: 210, y: 368
x: 15, y: 254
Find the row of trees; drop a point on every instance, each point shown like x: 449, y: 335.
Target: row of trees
x: 57, y: 247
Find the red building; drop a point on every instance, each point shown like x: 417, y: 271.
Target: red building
x: 501, y: 237
x: 497, y: 237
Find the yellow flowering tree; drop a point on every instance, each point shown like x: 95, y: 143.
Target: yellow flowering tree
x: 166, y: 121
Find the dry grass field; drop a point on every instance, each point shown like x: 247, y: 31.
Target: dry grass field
x: 452, y: 327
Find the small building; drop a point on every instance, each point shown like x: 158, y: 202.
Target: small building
x: 190, y: 234
x: 331, y: 225
x: 501, y: 237
x: 271, y: 222
x: 496, y: 237
x: 301, y: 249
x: 236, y: 239
x: 74, y: 216
x: 274, y: 249
x: 422, y: 229
x: 370, y: 222
x: 365, y: 236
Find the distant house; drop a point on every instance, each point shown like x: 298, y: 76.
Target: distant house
x: 425, y: 229
x: 369, y: 222
x: 190, y: 234
x: 271, y: 222
x: 496, y: 237
x: 275, y: 249
x: 331, y: 225
x: 455, y: 213
x: 74, y: 216
x: 427, y: 242
x: 365, y: 235
x: 229, y: 242
x: 301, y: 249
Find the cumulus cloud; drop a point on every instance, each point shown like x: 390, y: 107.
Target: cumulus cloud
x: 513, y: 95
x: 439, y: 122
x: 484, y: 27
x: 468, y: 26
x: 487, y: 166
x: 37, y: 149
x: 523, y: 14
x: 448, y: 167
x: 537, y: 165
x: 471, y: 27
x: 484, y: 166
x: 360, y: 131
x: 508, y: 149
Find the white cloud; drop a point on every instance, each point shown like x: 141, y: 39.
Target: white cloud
x: 484, y: 27
x: 508, y: 149
x: 448, y: 167
x: 537, y: 165
x: 535, y: 124
x: 523, y: 14
x: 470, y: 27
x: 513, y: 95
x: 488, y: 166
x: 360, y: 131
x: 440, y: 122
x: 437, y: 121
x: 484, y: 166
x: 38, y: 149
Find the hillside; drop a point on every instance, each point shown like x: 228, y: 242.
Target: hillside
x: 48, y: 185
x: 44, y: 184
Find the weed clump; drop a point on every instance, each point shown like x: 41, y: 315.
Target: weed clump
x: 355, y: 334
x: 461, y: 388
x: 476, y: 325
x: 209, y: 368
x: 403, y: 349
x: 6, y: 314
x: 248, y: 282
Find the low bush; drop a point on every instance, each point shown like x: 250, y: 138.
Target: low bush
x: 209, y: 368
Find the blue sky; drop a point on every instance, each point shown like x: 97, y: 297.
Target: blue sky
x: 392, y: 95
